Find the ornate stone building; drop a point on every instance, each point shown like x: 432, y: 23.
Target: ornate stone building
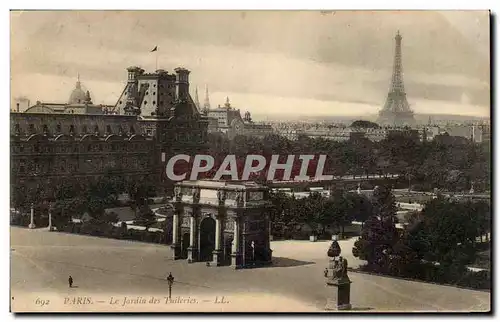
x: 79, y: 102
x: 228, y: 120
x: 222, y: 222
x: 48, y: 148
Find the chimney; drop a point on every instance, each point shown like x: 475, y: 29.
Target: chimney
x: 182, y: 83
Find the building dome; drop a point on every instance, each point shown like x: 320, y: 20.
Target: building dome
x: 78, y: 95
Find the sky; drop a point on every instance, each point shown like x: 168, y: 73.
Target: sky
x: 267, y: 62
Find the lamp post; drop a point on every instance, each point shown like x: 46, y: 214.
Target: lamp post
x: 32, y: 220
x: 170, y: 280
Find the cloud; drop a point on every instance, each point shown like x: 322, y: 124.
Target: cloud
x: 303, y: 56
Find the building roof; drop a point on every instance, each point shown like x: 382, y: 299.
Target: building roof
x: 78, y: 95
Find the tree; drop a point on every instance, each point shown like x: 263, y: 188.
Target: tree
x: 379, y: 234
x: 364, y: 124
x: 360, y: 207
x: 450, y: 229
x: 312, y: 208
x: 145, y: 217
x: 339, y: 210
x: 63, y: 210
x: 280, y: 211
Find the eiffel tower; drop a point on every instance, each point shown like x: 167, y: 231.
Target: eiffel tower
x: 396, y: 111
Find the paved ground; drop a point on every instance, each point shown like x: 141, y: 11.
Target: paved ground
x: 103, y: 269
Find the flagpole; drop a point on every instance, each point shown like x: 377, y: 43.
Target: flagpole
x: 156, y: 60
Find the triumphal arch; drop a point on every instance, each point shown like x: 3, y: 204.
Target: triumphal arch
x: 221, y: 223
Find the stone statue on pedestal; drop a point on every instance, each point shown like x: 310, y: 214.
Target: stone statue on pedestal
x: 239, y: 198
x: 339, y: 271
x: 177, y: 193
x: 221, y: 195
x: 338, y: 277
x: 196, y: 195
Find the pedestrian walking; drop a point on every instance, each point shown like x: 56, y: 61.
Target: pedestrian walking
x: 70, y: 281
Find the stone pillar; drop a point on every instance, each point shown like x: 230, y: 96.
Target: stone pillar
x: 192, y: 250
x: 175, y: 235
x: 343, y: 300
x: 269, y: 239
x: 50, y: 220
x: 337, y: 277
x: 217, y: 253
x: 236, y: 251
x: 32, y: 221
x: 175, y: 229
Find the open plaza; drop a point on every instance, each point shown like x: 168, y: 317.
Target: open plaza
x: 126, y: 276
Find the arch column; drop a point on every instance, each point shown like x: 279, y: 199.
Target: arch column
x: 176, y: 246
x: 193, y: 240
x: 236, y: 247
x: 217, y: 253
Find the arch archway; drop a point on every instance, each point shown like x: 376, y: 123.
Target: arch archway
x: 228, y: 248
x: 185, y: 245
x: 207, y: 239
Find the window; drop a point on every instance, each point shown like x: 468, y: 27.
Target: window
x: 89, y: 147
x: 120, y: 130
x: 84, y: 129
x: 145, y: 102
x: 58, y: 128
x: 154, y: 93
x: 32, y: 128
x: 108, y: 129
x: 132, y: 130
x: 71, y: 130
x: 147, y: 93
x: 17, y: 129
x: 96, y: 130
x: 21, y: 166
x: 154, y: 102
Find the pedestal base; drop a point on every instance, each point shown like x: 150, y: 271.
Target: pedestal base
x: 236, y: 260
x: 176, y: 251
x: 31, y: 226
x: 217, y: 257
x: 344, y: 307
x: 343, y: 286
x: 331, y: 305
x: 192, y: 254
